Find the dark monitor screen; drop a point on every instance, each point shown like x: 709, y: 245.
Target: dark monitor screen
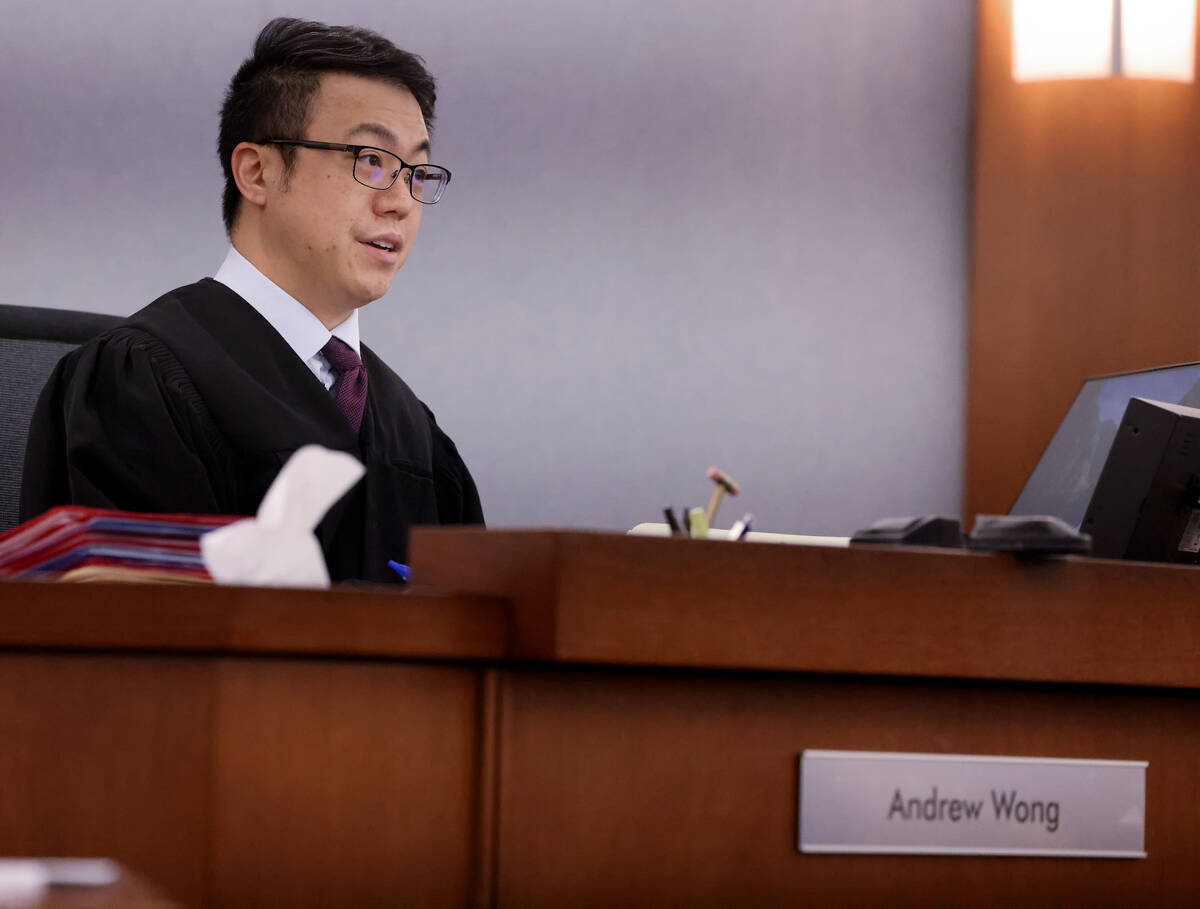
x: 1065, y: 478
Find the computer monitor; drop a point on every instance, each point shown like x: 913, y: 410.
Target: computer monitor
x: 1065, y: 478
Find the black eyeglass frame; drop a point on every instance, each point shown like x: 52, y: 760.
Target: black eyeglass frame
x: 357, y: 150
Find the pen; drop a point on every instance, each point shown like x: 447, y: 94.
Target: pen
x: 672, y: 524
x: 401, y: 570
x: 740, y: 528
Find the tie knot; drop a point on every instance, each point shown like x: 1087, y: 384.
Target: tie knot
x: 341, y: 356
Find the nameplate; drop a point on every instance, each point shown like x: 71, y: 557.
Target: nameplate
x: 952, y: 804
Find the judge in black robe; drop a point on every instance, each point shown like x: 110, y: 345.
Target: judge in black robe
x: 194, y: 404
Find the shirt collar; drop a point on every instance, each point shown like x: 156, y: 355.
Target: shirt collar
x: 303, y: 331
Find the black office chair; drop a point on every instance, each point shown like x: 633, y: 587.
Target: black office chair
x: 32, y: 341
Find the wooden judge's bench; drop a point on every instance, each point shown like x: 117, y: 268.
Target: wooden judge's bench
x: 570, y: 719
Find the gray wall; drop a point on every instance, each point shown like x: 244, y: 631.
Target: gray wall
x: 679, y: 233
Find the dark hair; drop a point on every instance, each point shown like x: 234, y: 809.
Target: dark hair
x: 269, y: 96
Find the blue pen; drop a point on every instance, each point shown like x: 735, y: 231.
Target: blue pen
x: 740, y: 528
x: 401, y: 570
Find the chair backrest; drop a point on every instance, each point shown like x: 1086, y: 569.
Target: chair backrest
x: 32, y: 341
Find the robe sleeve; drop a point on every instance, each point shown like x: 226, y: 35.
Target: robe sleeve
x: 457, y: 498
x: 120, y: 425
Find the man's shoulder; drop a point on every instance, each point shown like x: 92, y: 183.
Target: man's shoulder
x: 203, y: 302
x: 393, y: 390
x: 209, y: 328
x: 157, y: 327
x: 378, y: 371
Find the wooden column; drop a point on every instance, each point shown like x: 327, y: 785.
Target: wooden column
x: 1085, y: 249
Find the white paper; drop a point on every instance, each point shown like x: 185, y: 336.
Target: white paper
x: 277, y: 547
x: 650, y: 529
x: 82, y: 872
x: 22, y: 880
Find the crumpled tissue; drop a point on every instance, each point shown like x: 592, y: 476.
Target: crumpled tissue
x: 277, y: 548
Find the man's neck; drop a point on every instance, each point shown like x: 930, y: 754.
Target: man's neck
x: 258, y: 256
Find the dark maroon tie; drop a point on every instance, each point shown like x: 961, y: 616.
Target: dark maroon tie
x: 350, y: 385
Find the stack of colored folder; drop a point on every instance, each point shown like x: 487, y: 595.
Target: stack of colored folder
x: 75, y: 543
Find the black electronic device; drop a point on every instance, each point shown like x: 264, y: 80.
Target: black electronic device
x: 1147, y: 501
x: 929, y: 530
x: 1065, y: 477
x: 1036, y: 534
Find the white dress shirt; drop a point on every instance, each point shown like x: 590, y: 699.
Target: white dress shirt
x: 303, y: 331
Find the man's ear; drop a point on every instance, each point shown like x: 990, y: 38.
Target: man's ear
x: 250, y: 171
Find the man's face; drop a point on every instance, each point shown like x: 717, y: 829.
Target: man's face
x: 318, y: 229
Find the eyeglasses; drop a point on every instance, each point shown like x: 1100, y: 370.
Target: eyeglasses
x: 379, y: 168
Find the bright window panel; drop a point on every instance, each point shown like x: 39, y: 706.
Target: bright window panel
x: 1062, y: 39
x: 1158, y: 39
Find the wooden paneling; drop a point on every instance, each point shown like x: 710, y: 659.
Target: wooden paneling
x: 677, y: 790
x: 1085, y: 249
x: 344, y: 785
x: 371, y: 621
x: 634, y: 742
x: 249, y: 782
x: 109, y: 756
x: 894, y: 611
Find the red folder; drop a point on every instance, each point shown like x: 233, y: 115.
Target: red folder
x: 71, y: 536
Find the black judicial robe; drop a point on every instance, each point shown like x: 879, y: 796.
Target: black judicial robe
x: 193, y: 405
